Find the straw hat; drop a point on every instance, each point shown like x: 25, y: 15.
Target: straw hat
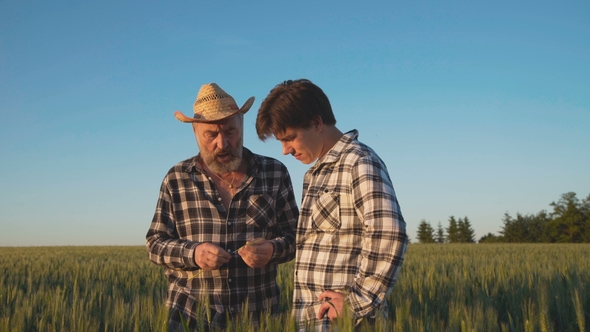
x: 214, y: 104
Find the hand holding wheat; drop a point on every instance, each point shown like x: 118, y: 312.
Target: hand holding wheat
x: 256, y: 253
x: 209, y: 256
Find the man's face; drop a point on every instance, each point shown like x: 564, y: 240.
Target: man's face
x: 304, y: 144
x: 220, y: 143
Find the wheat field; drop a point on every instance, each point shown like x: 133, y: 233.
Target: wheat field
x: 449, y: 287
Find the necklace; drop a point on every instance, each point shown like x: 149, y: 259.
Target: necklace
x: 231, y: 184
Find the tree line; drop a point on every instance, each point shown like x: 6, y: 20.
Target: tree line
x: 568, y: 222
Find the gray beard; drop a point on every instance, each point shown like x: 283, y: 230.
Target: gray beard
x: 222, y: 168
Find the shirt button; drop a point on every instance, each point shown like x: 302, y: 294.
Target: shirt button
x: 229, y: 250
x: 229, y: 223
x: 229, y: 280
x: 219, y: 199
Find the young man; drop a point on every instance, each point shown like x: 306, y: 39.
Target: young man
x: 351, y: 236
x: 224, y: 220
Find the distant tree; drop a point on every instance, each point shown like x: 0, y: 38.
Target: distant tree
x: 440, y: 234
x: 586, y: 212
x: 513, y: 231
x: 526, y: 228
x: 537, y: 227
x: 453, y: 231
x: 491, y: 238
x: 466, y: 233
x: 425, y: 232
x: 569, y: 221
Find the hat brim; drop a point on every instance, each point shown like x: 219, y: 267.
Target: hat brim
x: 200, y: 119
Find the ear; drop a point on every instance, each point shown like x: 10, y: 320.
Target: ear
x: 317, y: 123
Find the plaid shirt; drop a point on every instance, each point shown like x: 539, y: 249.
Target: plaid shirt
x: 351, y: 235
x: 189, y: 212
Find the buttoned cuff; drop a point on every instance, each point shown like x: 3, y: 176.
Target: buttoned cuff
x: 188, y: 254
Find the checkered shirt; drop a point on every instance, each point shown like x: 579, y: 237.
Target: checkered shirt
x: 189, y: 212
x: 351, y: 235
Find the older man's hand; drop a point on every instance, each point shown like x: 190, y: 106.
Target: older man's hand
x: 209, y: 256
x: 257, y: 253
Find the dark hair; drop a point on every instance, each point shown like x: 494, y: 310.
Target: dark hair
x: 293, y: 104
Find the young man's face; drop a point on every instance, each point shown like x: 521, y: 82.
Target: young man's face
x: 304, y: 144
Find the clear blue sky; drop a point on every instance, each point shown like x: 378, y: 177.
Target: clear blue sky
x: 477, y: 108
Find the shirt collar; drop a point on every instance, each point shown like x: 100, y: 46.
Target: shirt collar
x: 333, y: 155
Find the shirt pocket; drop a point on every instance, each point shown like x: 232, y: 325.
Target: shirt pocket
x: 260, y: 212
x: 326, y: 213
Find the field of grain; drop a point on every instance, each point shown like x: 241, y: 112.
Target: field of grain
x: 470, y: 287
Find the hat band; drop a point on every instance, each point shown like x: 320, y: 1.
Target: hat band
x: 212, y: 97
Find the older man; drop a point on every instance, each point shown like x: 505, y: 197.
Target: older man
x: 224, y: 220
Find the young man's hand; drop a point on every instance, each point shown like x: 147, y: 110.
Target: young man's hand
x: 332, y: 306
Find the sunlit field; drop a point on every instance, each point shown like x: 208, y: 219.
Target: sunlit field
x: 470, y: 287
